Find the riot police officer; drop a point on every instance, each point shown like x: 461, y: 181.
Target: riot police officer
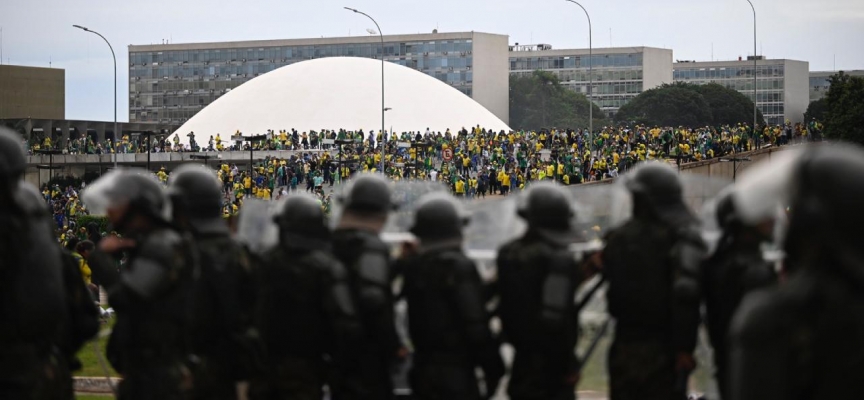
x: 735, y: 268
x: 804, y: 339
x: 306, y: 314
x: 537, y: 280
x: 32, y: 292
x: 147, y: 345
x: 652, y: 264
x: 220, y: 325
x: 448, y: 321
x: 357, y: 245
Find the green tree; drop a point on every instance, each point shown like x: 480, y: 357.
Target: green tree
x: 844, y: 117
x: 540, y: 101
x: 728, y: 106
x: 667, y: 105
x: 686, y: 104
x: 816, y: 110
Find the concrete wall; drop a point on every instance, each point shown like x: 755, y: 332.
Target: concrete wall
x: 491, y: 74
x: 796, y: 95
x: 78, y: 165
x: 656, y: 67
x: 32, y: 92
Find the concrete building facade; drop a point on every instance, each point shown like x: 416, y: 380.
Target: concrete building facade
x: 620, y: 73
x: 781, y: 85
x: 819, y: 84
x: 170, y: 83
x: 32, y: 92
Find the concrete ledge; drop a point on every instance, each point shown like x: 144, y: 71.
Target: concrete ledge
x: 98, y: 385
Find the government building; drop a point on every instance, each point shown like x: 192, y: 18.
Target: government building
x: 170, y: 83
x: 781, y: 85
x: 620, y: 73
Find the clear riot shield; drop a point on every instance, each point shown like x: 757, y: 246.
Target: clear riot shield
x: 113, y: 189
x: 405, y: 195
x: 697, y: 190
x: 101, y: 194
x: 493, y: 223
x: 256, y: 228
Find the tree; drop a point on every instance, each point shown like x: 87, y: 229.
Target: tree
x: 667, y: 105
x: 816, y: 110
x: 685, y: 104
x: 844, y: 117
x: 540, y: 101
x: 728, y: 106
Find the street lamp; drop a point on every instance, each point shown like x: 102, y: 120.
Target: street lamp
x: 50, y: 167
x: 251, y: 140
x: 116, y: 134
x: 754, y: 73
x: 383, y: 109
x: 735, y: 160
x: 590, y: 78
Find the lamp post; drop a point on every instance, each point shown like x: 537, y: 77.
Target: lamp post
x: 251, y: 140
x: 735, y: 160
x: 590, y: 78
x: 116, y: 134
x: 50, y: 167
x: 383, y: 109
x: 754, y: 73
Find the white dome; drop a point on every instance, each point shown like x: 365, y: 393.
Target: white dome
x: 339, y: 93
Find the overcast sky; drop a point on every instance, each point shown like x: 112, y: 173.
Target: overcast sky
x: 36, y: 31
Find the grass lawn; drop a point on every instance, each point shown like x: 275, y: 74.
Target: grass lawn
x: 89, y: 360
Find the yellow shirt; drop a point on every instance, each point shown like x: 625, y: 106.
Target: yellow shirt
x: 504, y: 179
x: 460, y: 187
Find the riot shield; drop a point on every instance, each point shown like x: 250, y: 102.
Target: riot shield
x: 112, y: 189
x: 696, y: 191
x: 404, y: 195
x: 256, y: 228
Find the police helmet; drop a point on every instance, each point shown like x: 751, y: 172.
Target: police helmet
x: 368, y: 193
x: 12, y: 161
x: 439, y: 217
x: 300, y: 215
x: 136, y: 188
x: 827, y: 191
x: 547, y: 209
x: 656, y: 186
x: 195, y: 192
x: 546, y: 205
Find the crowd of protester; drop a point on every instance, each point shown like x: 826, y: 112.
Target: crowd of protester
x: 474, y: 163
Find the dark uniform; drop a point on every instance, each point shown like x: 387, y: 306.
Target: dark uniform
x: 33, y: 307
x: 805, y: 338
x: 367, y: 259
x: 652, y: 264
x: 537, y: 279
x: 150, y: 295
x: 448, y: 322
x: 736, y: 268
x: 221, y: 337
x: 306, y: 314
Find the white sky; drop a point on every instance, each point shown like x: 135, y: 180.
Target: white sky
x: 36, y: 31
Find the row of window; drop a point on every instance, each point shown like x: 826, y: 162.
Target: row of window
x: 301, y: 52
x: 744, y: 85
x: 727, y: 72
x: 254, y: 68
x: 599, y: 75
x: 582, y: 61
x: 632, y: 88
